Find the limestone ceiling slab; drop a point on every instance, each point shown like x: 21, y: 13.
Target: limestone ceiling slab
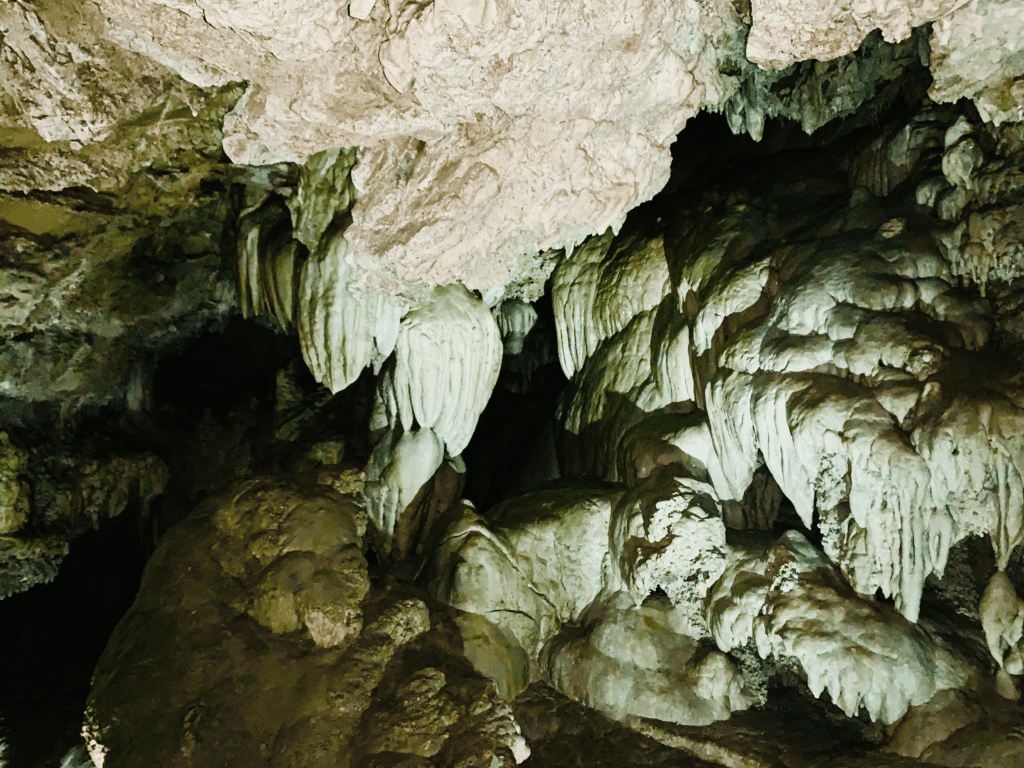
x: 71, y: 90
x: 787, y: 31
x: 502, y: 129
x: 978, y: 52
x: 977, y: 46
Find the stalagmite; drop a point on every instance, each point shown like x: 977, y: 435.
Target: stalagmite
x: 544, y: 582
x: 397, y: 470
x: 787, y: 597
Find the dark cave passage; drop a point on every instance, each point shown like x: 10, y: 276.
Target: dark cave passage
x: 52, y: 637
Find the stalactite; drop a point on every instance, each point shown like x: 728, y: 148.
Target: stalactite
x: 447, y: 359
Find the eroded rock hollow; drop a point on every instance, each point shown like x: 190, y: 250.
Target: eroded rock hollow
x: 466, y: 385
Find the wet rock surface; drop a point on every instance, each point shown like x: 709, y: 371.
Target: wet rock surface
x: 253, y: 641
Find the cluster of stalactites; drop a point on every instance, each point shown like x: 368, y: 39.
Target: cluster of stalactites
x: 980, y: 191
x: 823, y: 365
x: 447, y: 347
x: 429, y: 397
x: 268, y: 262
x: 621, y: 337
x: 515, y: 318
x: 341, y: 330
x: 832, y: 386
x: 292, y: 265
x: 600, y: 287
x: 792, y: 603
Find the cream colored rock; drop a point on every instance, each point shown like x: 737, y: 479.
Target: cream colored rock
x: 628, y: 661
x: 830, y: 443
x: 619, y: 370
x: 823, y: 367
x: 786, y: 32
x: 324, y: 192
x: 815, y: 92
x: 545, y: 565
x: 621, y: 338
x: 735, y: 293
x: 558, y: 142
x: 787, y: 596
x: 447, y: 360
x: 72, y: 88
x: 986, y: 247
x: 495, y: 653
x: 982, y: 197
x: 268, y: 263
x: 798, y: 429
x: 889, y: 161
x: 658, y: 441
x: 671, y: 353
x: 975, y: 53
x: 968, y: 444
x: 667, y: 533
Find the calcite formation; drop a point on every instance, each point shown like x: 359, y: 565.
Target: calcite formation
x: 594, y: 635
x: 787, y: 598
x: 807, y: 361
x: 789, y: 439
x: 447, y: 359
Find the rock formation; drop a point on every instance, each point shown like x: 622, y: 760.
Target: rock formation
x: 456, y: 382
